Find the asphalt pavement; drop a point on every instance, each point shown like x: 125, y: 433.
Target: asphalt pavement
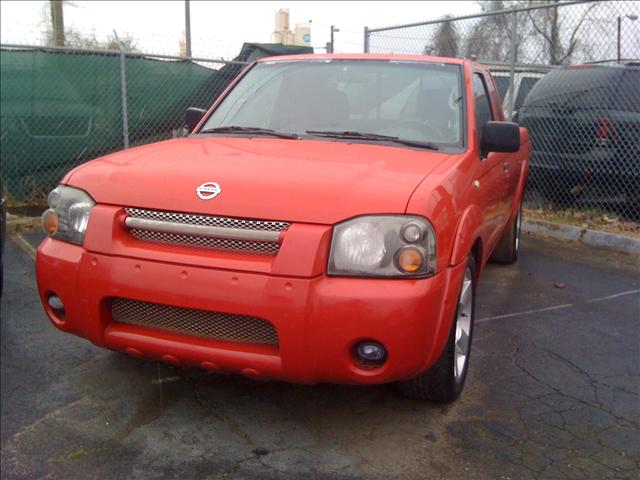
x: 552, y: 392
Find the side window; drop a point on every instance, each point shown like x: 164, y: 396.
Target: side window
x: 503, y: 85
x: 483, y: 104
x: 526, y: 84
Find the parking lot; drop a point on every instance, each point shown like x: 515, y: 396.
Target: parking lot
x: 553, y: 392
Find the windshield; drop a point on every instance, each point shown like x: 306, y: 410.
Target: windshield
x: 414, y: 101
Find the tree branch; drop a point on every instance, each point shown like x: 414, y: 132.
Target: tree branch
x: 538, y: 29
x: 573, y: 41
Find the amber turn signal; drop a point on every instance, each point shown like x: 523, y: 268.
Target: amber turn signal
x: 50, y: 221
x: 410, y: 260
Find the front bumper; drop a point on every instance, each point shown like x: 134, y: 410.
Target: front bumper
x: 318, y: 319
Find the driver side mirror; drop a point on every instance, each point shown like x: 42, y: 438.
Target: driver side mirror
x: 193, y: 116
x: 500, y: 137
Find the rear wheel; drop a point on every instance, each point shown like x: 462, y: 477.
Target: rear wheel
x: 507, y: 250
x: 444, y: 381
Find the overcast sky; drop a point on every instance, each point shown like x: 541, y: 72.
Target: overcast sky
x: 219, y: 28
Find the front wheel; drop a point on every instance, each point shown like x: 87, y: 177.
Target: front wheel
x: 507, y: 250
x: 444, y: 381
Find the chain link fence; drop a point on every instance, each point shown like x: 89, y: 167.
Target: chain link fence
x: 64, y: 106
x: 570, y: 73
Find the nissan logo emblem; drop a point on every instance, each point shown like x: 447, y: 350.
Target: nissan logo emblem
x: 208, y: 190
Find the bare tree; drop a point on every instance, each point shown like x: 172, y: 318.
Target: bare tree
x: 57, y: 22
x: 555, y: 33
x: 182, y: 45
x: 58, y: 35
x: 489, y: 39
x: 89, y: 41
x: 446, y: 39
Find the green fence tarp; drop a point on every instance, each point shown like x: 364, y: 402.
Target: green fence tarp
x: 59, y: 109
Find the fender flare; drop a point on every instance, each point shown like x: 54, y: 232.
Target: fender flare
x: 467, y: 232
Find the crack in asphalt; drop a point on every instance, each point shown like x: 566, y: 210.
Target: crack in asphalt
x: 233, y: 427
x: 598, y: 405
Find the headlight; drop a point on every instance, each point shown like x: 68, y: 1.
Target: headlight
x: 383, y: 246
x: 68, y: 214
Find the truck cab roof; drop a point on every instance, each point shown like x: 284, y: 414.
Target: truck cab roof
x: 373, y: 56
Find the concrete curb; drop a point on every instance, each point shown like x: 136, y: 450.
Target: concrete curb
x: 593, y: 238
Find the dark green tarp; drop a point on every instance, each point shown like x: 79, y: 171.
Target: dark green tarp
x: 59, y: 109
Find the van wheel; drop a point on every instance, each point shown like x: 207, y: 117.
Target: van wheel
x: 507, y: 250
x: 444, y: 381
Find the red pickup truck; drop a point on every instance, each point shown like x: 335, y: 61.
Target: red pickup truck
x: 326, y: 220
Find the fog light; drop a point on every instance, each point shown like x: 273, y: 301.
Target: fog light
x: 371, y: 353
x: 56, y: 304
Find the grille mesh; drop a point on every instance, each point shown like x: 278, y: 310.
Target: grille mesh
x: 266, y: 248
x: 206, y: 242
x: 207, y: 220
x: 197, y: 323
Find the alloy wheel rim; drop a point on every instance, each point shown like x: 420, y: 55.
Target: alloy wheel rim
x: 463, y: 327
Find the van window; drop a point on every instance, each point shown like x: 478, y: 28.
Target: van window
x: 503, y: 85
x: 627, y: 92
x: 526, y: 84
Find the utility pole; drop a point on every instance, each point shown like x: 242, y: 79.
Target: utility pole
x: 619, y: 31
x: 187, y: 27
x: 333, y: 29
x: 123, y: 92
x: 57, y: 22
x: 514, y: 58
x: 633, y: 18
x: 366, y: 39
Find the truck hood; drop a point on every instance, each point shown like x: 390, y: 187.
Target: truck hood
x: 292, y: 180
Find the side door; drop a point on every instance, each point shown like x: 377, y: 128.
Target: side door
x: 496, y: 167
x: 512, y: 164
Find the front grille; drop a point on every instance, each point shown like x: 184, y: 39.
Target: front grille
x: 196, y: 323
x: 197, y: 241
x: 206, y: 242
x: 207, y: 220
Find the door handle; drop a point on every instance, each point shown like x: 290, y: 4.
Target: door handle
x: 505, y: 166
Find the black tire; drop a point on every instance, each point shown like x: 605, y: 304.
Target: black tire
x: 507, y: 250
x: 440, y: 383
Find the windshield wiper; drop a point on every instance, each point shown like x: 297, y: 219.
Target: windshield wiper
x: 251, y: 131
x: 375, y: 137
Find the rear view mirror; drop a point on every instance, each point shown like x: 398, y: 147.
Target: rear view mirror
x: 193, y: 116
x: 500, y: 137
